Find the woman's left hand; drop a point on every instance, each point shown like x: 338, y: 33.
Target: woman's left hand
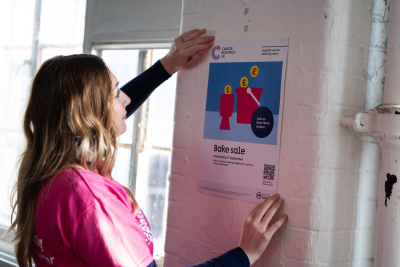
x: 186, y: 50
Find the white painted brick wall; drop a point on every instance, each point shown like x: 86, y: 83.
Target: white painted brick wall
x: 319, y: 157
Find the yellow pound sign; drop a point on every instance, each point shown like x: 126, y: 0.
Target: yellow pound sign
x: 254, y: 71
x: 228, y: 89
x: 244, y: 82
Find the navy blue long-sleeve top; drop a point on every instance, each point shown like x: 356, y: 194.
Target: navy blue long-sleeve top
x: 141, y: 87
x: 138, y: 90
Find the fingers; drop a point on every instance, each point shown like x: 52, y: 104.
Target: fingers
x: 265, y: 207
x: 186, y: 50
x: 253, y: 212
x: 195, y: 58
x: 195, y: 48
x: 271, y: 231
x: 185, y: 34
x: 270, y: 213
x: 192, y: 35
x: 197, y: 41
x: 255, y: 235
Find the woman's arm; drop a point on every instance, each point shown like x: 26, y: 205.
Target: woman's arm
x: 140, y: 88
x: 235, y: 257
x: 185, y: 51
x: 255, y: 237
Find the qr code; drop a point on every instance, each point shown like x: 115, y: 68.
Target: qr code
x: 269, y: 172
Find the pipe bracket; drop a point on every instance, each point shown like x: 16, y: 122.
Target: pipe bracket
x: 363, y: 123
x: 385, y: 109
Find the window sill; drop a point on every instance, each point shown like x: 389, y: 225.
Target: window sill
x: 5, y: 242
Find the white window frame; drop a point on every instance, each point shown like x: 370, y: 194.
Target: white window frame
x: 141, y: 114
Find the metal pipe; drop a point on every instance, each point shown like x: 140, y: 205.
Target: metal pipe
x: 392, y: 80
x: 368, y: 174
x: 386, y: 130
x: 35, y: 38
x: 388, y: 230
x: 377, y: 55
x: 383, y: 124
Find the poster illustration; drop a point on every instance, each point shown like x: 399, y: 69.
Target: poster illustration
x: 240, y: 145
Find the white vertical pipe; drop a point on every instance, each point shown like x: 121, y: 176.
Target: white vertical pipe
x: 387, y: 133
x: 388, y: 231
x: 392, y: 80
x: 367, y: 195
x: 377, y: 55
x: 367, y: 192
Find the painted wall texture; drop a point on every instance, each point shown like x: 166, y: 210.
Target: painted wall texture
x: 320, y: 159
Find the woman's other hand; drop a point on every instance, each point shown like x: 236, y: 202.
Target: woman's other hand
x: 255, y: 232
x: 186, y: 50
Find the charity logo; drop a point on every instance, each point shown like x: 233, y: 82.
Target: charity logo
x: 213, y: 53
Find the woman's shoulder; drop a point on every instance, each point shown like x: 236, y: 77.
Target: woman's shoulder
x: 75, y: 191
x: 79, y: 185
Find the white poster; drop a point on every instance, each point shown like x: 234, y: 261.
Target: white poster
x: 241, y: 126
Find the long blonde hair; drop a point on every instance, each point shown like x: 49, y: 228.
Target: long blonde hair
x: 68, y: 123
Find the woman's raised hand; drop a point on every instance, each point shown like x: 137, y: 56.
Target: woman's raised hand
x: 186, y: 50
x: 255, y: 232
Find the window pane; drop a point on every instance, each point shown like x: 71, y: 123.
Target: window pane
x: 62, y: 23
x: 15, y: 54
x: 161, y: 109
x: 61, y: 32
x: 151, y: 193
x: 154, y: 160
x: 124, y: 65
x: 122, y: 166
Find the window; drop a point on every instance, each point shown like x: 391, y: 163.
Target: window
x: 143, y: 159
x: 31, y: 32
x: 34, y: 31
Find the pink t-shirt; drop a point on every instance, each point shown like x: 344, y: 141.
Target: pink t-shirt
x: 87, y: 220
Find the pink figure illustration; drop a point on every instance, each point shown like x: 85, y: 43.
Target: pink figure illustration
x: 248, y: 100
x: 226, y: 110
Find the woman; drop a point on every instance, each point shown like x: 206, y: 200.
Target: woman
x: 69, y: 210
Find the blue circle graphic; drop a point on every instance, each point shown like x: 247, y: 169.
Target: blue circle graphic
x: 262, y: 122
